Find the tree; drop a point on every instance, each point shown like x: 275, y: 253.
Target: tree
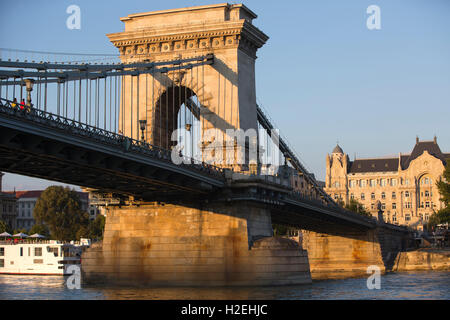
x: 59, y: 208
x: 40, y: 229
x: 96, y: 227
x: 443, y: 215
x: 444, y: 185
x: 354, y: 206
x: 4, y: 227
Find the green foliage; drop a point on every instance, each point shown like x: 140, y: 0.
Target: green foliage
x: 96, y: 227
x: 279, y: 230
x: 23, y: 230
x: 357, y: 207
x: 442, y: 216
x: 59, y: 208
x: 4, y: 227
x: 444, y: 185
x: 40, y: 229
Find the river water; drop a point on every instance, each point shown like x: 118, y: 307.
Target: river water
x: 411, y: 285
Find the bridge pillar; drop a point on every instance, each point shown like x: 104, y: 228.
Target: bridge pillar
x: 342, y: 256
x: 212, y: 245
x: 225, y: 90
x: 349, y: 254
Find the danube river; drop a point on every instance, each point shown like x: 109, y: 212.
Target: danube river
x: 412, y: 285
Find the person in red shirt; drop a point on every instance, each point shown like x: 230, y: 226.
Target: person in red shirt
x: 22, y: 104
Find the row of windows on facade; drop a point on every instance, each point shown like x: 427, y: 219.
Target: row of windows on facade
x: 407, y: 194
x: 381, y: 182
x: 407, y: 205
x: 425, y: 217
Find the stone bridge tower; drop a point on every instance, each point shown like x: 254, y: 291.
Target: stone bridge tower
x: 225, y: 90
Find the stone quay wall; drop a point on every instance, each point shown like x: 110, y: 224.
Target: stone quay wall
x: 423, y: 259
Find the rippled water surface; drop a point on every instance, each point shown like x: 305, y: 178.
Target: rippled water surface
x: 413, y: 285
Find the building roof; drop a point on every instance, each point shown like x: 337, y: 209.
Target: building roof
x: 373, y: 165
x: 37, y: 193
x: 338, y: 149
x: 431, y: 146
x: 28, y: 194
x: 392, y: 163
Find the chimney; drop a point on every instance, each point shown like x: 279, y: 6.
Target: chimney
x: 435, y: 139
x: 417, y: 139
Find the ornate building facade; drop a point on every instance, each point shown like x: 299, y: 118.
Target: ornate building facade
x: 405, y: 185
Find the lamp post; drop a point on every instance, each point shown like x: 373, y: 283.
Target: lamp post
x: 29, y: 85
x: 143, y: 124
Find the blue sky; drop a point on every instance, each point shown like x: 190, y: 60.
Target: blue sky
x: 322, y: 75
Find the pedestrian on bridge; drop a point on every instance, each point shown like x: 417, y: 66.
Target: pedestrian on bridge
x: 14, y: 103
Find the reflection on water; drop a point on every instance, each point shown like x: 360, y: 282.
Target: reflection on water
x: 417, y: 285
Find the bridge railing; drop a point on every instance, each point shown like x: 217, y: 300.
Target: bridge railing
x: 51, y: 120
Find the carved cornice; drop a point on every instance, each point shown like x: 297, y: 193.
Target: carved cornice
x: 221, y: 35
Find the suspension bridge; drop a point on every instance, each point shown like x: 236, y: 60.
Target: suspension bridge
x: 116, y: 128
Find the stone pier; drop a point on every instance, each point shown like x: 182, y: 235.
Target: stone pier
x: 172, y: 245
x: 349, y: 254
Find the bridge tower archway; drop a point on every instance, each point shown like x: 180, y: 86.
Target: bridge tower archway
x: 225, y: 89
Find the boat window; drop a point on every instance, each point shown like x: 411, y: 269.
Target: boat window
x: 2, y: 251
x: 21, y: 251
x: 38, y: 252
x: 54, y: 250
x: 2, y: 263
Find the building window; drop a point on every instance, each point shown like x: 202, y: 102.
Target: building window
x: 406, y: 194
x: 38, y: 252
x: 427, y: 193
x: 394, y: 195
x: 393, y: 182
x: 352, y: 196
x: 383, y: 206
x: 383, y: 182
x: 363, y: 197
x: 363, y: 183
x: 383, y: 195
x: 407, y: 182
x: 407, y: 217
x: 373, y: 183
x: 394, y: 205
x: 394, y: 217
x: 427, y: 204
x: 408, y: 205
x: 372, y: 196
x: 427, y: 217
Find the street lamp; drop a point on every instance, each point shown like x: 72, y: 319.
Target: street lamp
x: 29, y: 85
x: 143, y: 124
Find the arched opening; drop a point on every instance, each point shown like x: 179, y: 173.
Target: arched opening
x: 425, y: 189
x: 177, y: 121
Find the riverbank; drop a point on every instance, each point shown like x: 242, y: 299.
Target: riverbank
x: 429, y: 259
